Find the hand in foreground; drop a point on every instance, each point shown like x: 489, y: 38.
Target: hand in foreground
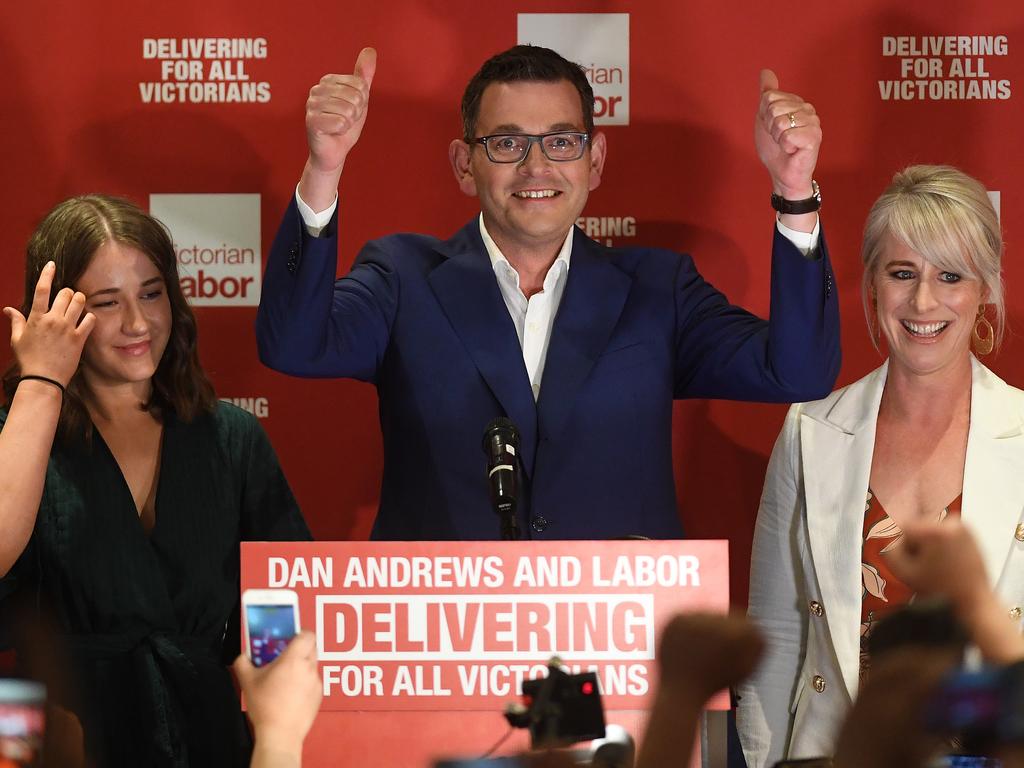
x: 49, y: 342
x: 787, y: 134
x: 944, y: 560
x: 283, y: 698
x: 940, y: 560
x: 885, y: 727
x: 336, y: 111
x: 700, y: 654
x: 63, y: 740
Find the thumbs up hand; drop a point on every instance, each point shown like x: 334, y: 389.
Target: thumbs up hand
x: 335, y: 113
x: 787, y: 133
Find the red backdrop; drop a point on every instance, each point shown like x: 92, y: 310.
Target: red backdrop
x: 75, y: 119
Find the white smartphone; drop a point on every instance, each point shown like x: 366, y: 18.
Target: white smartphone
x: 270, y: 618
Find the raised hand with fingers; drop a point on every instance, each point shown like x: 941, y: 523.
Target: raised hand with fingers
x: 335, y: 114
x: 787, y: 133
x: 47, y: 346
x: 48, y: 343
x: 283, y: 699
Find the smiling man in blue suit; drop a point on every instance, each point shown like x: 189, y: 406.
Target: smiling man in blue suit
x: 519, y: 314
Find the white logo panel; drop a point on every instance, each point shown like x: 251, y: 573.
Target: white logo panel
x: 217, y: 242
x: 599, y: 42
x: 996, y: 198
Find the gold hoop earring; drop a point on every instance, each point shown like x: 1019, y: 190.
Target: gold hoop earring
x: 983, y: 342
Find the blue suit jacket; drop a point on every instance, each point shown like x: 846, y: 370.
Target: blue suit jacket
x: 424, y: 320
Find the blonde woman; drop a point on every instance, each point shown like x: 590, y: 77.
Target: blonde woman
x: 930, y: 434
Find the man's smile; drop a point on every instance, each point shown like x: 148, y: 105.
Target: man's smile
x: 528, y: 194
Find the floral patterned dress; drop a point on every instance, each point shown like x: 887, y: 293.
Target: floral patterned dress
x: 882, y: 592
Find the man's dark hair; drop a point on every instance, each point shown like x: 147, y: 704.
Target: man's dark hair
x: 525, y: 63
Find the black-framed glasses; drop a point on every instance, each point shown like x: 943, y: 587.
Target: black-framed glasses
x: 559, y: 146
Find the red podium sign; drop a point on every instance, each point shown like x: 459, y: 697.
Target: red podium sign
x: 460, y: 625
x: 457, y: 626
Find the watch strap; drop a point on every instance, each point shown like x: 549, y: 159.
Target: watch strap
x: 807, y: 205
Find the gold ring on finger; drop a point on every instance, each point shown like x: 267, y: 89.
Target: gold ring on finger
x: 792, y: 120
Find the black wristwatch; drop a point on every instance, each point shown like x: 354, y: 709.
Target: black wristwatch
x: 807, y: 205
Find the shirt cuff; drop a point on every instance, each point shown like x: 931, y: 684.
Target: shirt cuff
x: 316, y: 222
x: 805, y: 242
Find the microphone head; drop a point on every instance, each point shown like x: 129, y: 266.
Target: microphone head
x: 501, y: 427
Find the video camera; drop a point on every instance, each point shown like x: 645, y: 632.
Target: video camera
x: 561, y: 710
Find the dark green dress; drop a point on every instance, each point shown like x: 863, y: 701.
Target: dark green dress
x: 147, y: 621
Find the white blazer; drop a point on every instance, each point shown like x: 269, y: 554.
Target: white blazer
x: 805, y: 580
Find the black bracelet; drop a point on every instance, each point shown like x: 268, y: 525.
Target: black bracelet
x: 33, y: 377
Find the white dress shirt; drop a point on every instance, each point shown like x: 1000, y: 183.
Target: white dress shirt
x: 533, y: 317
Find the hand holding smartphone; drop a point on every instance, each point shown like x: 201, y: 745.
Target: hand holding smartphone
x: 270, y: 618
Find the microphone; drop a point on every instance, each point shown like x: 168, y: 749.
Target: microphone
x: 501, y: 445
x: 616, y: 750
